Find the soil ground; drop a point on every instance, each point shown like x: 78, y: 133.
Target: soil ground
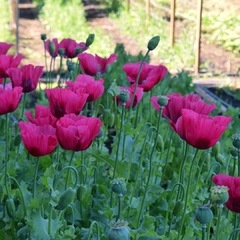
x: 31, y: 46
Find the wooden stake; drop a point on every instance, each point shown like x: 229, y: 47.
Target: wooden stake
x: 198, y: 36
x: 172, y: 22
x: 128, y: 5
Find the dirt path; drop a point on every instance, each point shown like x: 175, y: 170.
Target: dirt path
x: 31, y: 46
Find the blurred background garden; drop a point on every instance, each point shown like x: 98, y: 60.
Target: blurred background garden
x: 132, y: 22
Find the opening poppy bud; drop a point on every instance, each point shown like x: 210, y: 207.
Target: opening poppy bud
x: 118, y: 186
x: 216, y: 149
x: 163, y: 101
x: 61, y: 51
x: 236, y: 140
x: 10, y: 206
x: 123, y: 96
x: 51, y: 48
x: 90, y: 39
x: 78, y: 50
x: 43, y: 36
x: 118, y: 230
x: 66, y: 198
x: 219, y: 194
x: 153, y: 43
x: 233, y: 151
x: 204, y: 214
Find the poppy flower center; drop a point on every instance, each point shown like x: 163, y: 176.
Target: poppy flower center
x: 27, y: 85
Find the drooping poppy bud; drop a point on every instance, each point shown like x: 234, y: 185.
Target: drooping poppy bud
x: 66, y: 198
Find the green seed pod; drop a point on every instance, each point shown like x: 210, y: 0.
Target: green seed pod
x: 118, y: 186
x: 160, y: 143
x: 101, y: 133
x: 61, y: 51
x: 204, y: 214
x: 236, y: 140
x: 153, y: 43
x: 118, y: 230
x: 216, y: 149
x: 163, y: 101
x: 233, y: 151
x: 123, y: 96
x: 66, y: 198
x: 90, y: 39
x: 219, y: 194
x: 178, y: 208
x: 10, y: 206
x: 220, y: 159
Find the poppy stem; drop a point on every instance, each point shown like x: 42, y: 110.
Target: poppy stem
x: 150, y: 168
x: 6, y: 150
x: 90, y: 230
x: 60, y: 71
x: 187, y: 191
x: 136, y: 84
x: 238, y: 164
x: 70, y: 163
x: 219, y: 213
x: 204, y: 226
x: 23, y: 105
x: 35, y: 177
x: 171, y: 198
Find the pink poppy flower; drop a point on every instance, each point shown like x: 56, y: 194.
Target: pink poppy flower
x: 4, y: 47
x: 137, y: 98
x: 150, y: 75
x: 173, y: 110
x: 43, y: 116
x: 38, y: 140
x: 70, y: 46
x: 77, y: 132
x: 9, y: 98
x: 27, y: 77
x: 8, y: 61
x: 64, y: 101
x: 88, y: 85
x: 198, y: 130
x: 93, y: 65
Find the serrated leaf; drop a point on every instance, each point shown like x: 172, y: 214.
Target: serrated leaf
x: 114, y: 90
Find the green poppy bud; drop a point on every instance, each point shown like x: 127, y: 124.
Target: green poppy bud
x: 123, y: 96
x: 10, y: 207
x: 160, y: 143
x: 51, y: 48
x: 118, y: 230
x: 220, y: 158
x: 43, y: 36
x: 204, y: 214
x: 101, y: 133
x: 82, y: 189
x: 233, y: 151
x: 90, y: 39
x: 153, y: 43
x: 219, y: 194
x: 236, y: 140
x: 163, y: 101
x: 216, y: 149
x: 178, y: 208
x: 66, y: 198
x: 108, y: 117
x: 118, y: 186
